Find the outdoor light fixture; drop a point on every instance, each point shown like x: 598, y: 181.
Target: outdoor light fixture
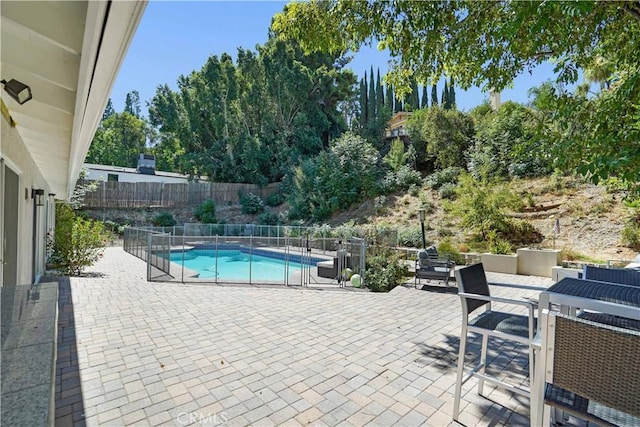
x: 422, y: 214
x: 37, y: 194
x: 18, y: 90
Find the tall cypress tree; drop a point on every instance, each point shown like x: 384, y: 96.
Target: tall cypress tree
x: 388, y: 103
x: 379, y: 94
x: 412, y: 100
x: 363, y: 101
x: 434, y: 95
x: 398, y: 104
x: 452, y: 94
x: 445, y: 96
x: 371, y: 104
x: 424, y: 102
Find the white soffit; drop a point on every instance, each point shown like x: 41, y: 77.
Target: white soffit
x: 69, y: 53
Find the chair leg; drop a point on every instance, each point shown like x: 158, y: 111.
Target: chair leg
x: 458, y: 392
x: 483, y: 363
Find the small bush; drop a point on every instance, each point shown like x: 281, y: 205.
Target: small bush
x: 385, y: 270
x: 447, y: 249
x: 251, y: 204
x: 269, y: 218
x: 78, y: 243
x: 449, y: 175
x: 378, y: 204
x: 276, y: 199
x: 206, y: 212
x: 498, y: 245
x: 164, y: 219
x: 447, y: 191
x: 410, y: 237
x: 631, y: 234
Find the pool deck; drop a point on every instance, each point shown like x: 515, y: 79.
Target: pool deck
x: 132, y: 352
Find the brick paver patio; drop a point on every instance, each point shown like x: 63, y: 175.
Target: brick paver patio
x: 132, y: 352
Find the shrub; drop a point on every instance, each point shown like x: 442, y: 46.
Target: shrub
x: 385, y: 270
x: 276, y: 199
x: 631, y: 234
x: 410, y: 236
x: 378, y: 204
x: 498, y: 245
x: 77, y: 243
x: 164, y: 219
x: 447, y: 249
x: 206, y: 212
x: 447, y: 191
x: 439, y: 178
x: 251, y: 204
x: 269, y: 218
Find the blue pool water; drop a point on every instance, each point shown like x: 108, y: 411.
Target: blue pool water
x: 233, y: 265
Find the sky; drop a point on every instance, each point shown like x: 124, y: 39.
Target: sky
x: 176, y: 37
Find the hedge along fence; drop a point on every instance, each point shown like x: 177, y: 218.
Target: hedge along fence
x: 157, y: 194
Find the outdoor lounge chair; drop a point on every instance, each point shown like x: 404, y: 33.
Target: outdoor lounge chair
x: 473, y: 290
x: 591, y: 371
x: 429, y: 265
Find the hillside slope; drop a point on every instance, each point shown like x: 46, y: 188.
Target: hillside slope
x: 591, y: 218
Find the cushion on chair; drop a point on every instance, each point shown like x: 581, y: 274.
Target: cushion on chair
x: 587, y: 410
x: 610, y: 319
x: 507, y: 323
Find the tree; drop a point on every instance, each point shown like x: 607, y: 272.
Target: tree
x: 440, y: 137
x: 363, y: 101
x: 388, y: 103
x: 425, y: 98
x: 333, y: 180
x: 253, y: 120
x: 118, y: 141
x: 488, y: 44
x: 379, y: 93
x: 132, y: 104
x: 397, y: 156
x: 108, y: 110
x: 452, y: 94
x: 434, y: 95
x: 445, y: 97
x: 505, y: 144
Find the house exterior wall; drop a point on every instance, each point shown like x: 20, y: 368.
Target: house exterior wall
x: 100, y: 173
x: 16, y: 157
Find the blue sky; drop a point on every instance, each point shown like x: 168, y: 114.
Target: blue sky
x: 177, y: 37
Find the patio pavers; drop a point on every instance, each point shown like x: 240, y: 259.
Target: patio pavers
x: 141, y: 353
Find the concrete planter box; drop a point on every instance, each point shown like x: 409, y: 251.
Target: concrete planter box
x: 500, y: 263
x: 538, y: 262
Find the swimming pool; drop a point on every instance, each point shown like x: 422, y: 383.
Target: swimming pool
x: 237, y: 265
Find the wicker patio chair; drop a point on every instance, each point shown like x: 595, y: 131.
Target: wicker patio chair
x: 592, y: 371
x: 473, y: 290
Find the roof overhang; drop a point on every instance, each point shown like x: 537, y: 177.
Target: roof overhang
x: 69, y: 53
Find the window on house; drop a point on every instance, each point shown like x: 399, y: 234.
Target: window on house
x: 112, y: 177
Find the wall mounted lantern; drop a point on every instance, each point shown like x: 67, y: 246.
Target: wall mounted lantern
x: 17, y: 90
x: 37, y: 194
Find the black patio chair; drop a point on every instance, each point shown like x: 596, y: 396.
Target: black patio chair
x: 473, y: 290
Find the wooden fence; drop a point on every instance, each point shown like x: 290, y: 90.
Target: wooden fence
x: 113, y: 195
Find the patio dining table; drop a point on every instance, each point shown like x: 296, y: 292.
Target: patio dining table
x: 611, y: 298
x: 571, y: 294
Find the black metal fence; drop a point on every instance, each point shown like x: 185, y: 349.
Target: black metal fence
x: 246, y: 253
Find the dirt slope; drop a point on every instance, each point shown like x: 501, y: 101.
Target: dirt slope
x: 591, y: 218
